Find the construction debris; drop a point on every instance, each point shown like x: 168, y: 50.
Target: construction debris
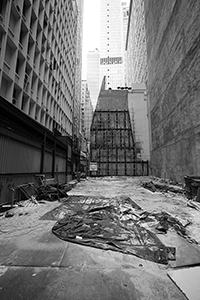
x: 25, y: 191
x: 116, y: 224
x: 51, y: 192
x: 9, y: 214
x: 193, y: 204
x: 187, y: 279
x: 161, y: 187
x: 192, y: 184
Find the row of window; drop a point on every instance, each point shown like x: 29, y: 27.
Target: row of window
x: 111, y: 60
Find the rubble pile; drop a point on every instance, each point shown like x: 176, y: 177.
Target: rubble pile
x: 162, y: 187
x: 192, y: 185
x: 52, y: 192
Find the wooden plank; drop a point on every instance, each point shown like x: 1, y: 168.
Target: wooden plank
x: 188, y: 281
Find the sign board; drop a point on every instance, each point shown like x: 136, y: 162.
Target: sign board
x: 93, y: 166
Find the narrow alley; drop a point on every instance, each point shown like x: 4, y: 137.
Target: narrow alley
x: 36, y: 264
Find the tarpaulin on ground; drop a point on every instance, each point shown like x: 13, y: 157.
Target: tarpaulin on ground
x: 110, y: 224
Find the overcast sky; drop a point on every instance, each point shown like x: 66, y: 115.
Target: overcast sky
x: 91, y: 29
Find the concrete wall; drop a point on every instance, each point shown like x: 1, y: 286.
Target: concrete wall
x: 173, y: 55
x: 139, y: 120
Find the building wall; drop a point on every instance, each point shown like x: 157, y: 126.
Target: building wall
x: 37, y: 65
x: 38, y: 47
x: 136, y: 44
x: 112, y: 139
x: 125, y: 9
x: 79, y: 42
x: 86, y: 111
x: 173, y: 52
x: 28, y: 149
x: 93, y: 79
x: 111, y: 43
x: 137, y: 103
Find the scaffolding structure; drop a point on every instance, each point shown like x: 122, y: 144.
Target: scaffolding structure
x: 112, y: 145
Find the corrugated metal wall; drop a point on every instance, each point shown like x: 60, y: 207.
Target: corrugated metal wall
x: 27, y: 149
x: 19, y: 162
x: 21, y: 159
x: 17, y: 156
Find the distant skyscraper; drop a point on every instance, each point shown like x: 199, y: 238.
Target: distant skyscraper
x: 136, y: 44
x: 125, y: 8
x: 86, y: 110
x: 93, y: 75
x: 111, y: 43
x: 77, y: 95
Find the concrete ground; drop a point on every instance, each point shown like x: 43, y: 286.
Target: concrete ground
x: 36, y: 265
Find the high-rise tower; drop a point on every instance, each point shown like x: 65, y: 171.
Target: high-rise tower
x: 40, y: 42
x: 111, y: 43
x: 93, y: 75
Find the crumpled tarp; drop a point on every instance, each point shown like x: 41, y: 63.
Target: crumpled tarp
x: 111, y: 224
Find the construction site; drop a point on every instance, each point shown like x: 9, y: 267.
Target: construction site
x: 114, y: 146
x: 100, y: 195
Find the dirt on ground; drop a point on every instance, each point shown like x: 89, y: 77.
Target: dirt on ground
x: 173, y: 203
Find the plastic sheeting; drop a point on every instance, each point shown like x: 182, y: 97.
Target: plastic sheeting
x: 111, y: 224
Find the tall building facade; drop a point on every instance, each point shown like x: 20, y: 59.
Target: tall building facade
x: 137, y: 103
x: 173, y: 56
x: 38, y: 41
x: 111, y: 43
x: 86, y: 110
x: 92, y: 76
x: 136, y: 71
x: 77, y: 88
x: 38, y: 55
x: 125, y: 10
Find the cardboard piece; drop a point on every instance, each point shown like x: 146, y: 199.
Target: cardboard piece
x: 188, y: 281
